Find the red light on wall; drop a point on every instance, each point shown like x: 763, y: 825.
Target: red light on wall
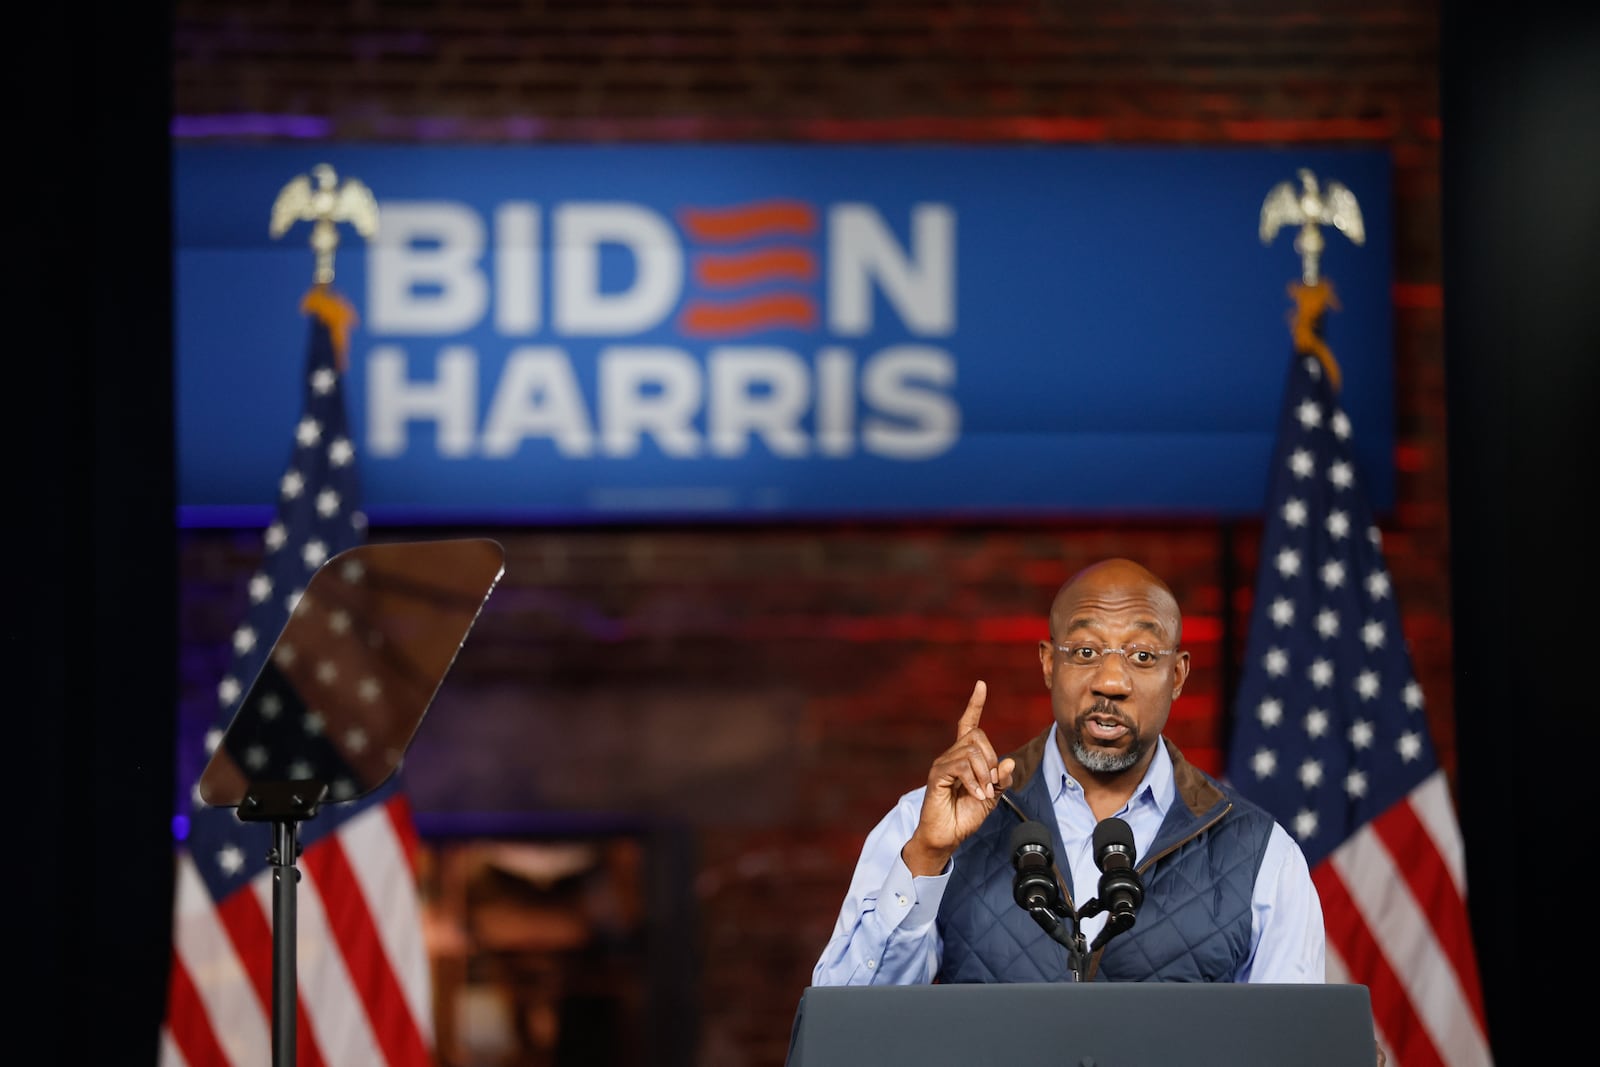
x: 1410, y: 458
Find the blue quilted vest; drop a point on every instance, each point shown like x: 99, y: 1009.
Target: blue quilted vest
x: 1194, y: 923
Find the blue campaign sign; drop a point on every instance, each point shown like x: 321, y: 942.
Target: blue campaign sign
x: 627, y: 333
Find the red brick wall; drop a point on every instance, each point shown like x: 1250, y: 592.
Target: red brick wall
x: 779, y: 686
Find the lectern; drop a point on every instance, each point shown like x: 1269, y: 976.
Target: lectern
x: 1090, y: 1024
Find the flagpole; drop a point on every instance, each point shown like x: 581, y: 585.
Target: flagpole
x: 1307, y: 205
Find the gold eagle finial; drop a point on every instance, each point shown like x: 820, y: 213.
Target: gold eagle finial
x: 1310, y: 208
x: 321, y: 199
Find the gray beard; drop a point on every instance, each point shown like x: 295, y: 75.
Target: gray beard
x: 1104, y: 760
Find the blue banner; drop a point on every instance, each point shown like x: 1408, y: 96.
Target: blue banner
x: 608, y: 334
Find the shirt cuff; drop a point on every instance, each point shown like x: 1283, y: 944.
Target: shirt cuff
x: 916, y: 900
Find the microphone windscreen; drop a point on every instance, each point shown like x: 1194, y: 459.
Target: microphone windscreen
x: 1113, y: 833
x: 1032, y: 832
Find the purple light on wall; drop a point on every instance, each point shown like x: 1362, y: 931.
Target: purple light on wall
x: 300, y: 127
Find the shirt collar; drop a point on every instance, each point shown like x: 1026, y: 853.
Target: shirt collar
x: 1155, y: 788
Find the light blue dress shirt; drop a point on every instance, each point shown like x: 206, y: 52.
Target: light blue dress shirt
x: 886, y: 934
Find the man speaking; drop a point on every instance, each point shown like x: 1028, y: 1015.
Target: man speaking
x: 1095, y: 851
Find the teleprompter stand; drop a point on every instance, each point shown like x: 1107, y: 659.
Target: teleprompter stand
x: 336, y: 704
x: 285, y: 805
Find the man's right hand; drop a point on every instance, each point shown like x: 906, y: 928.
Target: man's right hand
x: 964, y: 785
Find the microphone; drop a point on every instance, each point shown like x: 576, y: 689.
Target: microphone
x: 1034, y: 886
x: 1121, y: 890
x: 1036, y: 889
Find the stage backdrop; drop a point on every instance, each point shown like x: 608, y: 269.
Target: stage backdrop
x: 606, y: 334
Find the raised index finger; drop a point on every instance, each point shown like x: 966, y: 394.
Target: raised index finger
x: 974, y: 712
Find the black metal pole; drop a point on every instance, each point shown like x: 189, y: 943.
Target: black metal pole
x: 285, y: 805
x: 285, y: 877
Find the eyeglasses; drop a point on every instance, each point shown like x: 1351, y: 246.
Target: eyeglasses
x: 1139, y: 657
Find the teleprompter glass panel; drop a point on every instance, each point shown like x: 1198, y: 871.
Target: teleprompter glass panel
x: 348, y: 680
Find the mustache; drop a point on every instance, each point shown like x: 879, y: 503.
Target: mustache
x: 1104, y: 709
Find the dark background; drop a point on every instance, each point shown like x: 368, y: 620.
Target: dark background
x: 1494, y: 370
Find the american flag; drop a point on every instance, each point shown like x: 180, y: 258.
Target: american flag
x: 364, y: 995
x: 1330, y: 736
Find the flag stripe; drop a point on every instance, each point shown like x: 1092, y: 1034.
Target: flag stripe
x: 331, y: 1005
x: 1338, y: 972
x: 1402, y: 926
x: 1392, y: 1012
x: 1431, y: 804
x: 1444, y: 914
x: 382, y: 865
x: 308, y: 1045
x: 249, y: 928
x: 404, y: 826
x: 191, y: 1039
x: 225, y: 992
x: 169, y: 1055
x: 350, y: 923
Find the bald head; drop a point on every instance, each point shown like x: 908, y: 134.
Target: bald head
x: 1116, y: 585
x: 1110, y: 709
